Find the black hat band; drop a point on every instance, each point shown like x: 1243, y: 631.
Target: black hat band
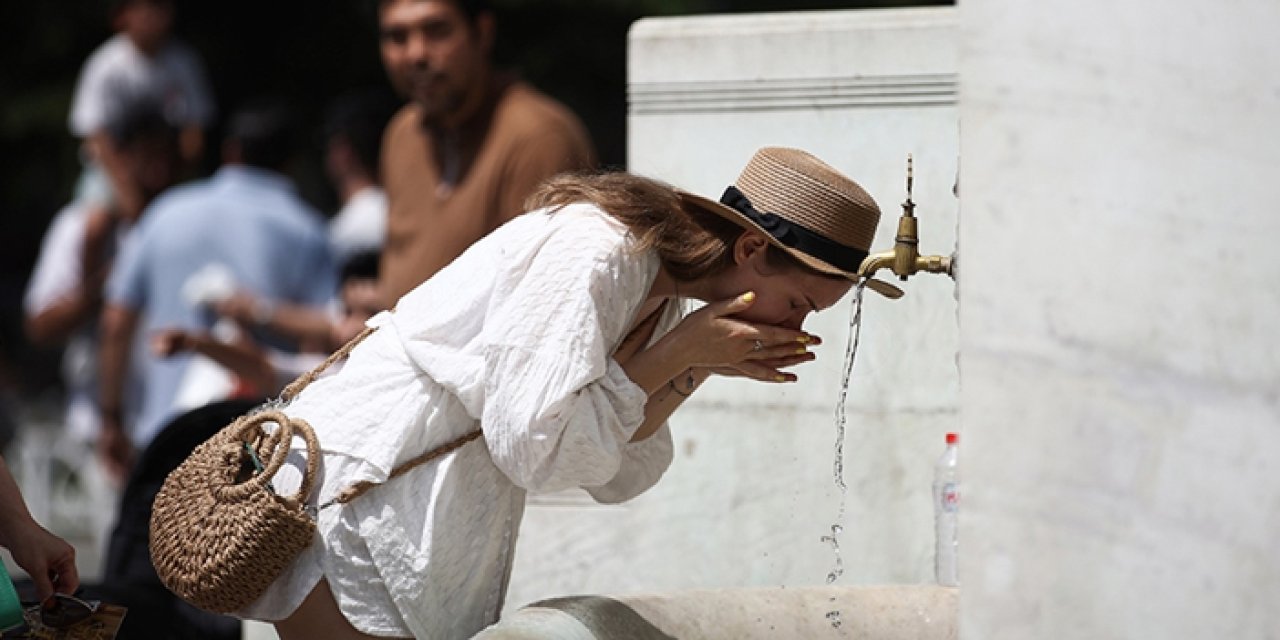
x: 796, y: 236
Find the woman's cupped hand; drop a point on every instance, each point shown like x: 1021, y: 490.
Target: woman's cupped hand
x: 714, y: 338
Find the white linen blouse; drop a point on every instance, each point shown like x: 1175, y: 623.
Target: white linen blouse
x: 515, y: 337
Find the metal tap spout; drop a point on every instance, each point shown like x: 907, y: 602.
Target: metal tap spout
x: 904, y: 258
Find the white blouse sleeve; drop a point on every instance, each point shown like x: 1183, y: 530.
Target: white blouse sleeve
x: 558, y: 411
x: 644, y: 462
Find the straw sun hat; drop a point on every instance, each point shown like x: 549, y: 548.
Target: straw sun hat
x: 806, y: 208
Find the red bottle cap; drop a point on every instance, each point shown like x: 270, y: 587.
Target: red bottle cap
x: 953, y: 438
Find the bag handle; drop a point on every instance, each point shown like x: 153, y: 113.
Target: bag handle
x: 276, y: 445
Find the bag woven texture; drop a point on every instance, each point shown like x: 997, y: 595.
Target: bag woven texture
x: 217, y: 540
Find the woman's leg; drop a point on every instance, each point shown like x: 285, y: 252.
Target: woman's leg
x: 318, y: 617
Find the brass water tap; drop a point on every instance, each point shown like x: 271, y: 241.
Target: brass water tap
x: 905, y: 259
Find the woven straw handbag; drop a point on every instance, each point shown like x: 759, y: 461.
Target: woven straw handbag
x: 220, y: 534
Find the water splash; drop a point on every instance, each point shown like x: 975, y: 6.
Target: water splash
x: 851, y: 351
x: 834, y: 541
x: 834, y: 617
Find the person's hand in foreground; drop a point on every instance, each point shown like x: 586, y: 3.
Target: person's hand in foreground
x: 48, y: 559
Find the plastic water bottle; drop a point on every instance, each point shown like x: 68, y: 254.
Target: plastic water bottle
x: 946, y: 509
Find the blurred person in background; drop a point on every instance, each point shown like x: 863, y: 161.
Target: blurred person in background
x: 243, y: 228
x: 352, y: 133
x: 353, y: 128
x: 471, y: 145
x: 142, y: 61
x: 64, y: 295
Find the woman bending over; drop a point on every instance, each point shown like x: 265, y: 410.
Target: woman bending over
x: 562, y: 337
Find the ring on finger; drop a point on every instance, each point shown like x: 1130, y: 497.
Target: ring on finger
x: 757, y: 346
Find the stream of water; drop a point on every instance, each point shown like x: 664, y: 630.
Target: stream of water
x: 851, y: 351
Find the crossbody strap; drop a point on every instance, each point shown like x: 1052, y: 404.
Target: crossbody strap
x: 294, y: 388
x: 356, y: 490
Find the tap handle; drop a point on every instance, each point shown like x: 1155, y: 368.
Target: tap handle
x: 910, y: 176
x: 909, y: 207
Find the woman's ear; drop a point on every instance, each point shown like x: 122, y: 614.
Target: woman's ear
x: 751, y: 248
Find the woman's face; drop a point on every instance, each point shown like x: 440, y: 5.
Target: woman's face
x: 785, y: 295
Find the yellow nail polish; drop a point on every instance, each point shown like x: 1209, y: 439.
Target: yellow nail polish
x: 749, y: 296
x: 801, y: 351
x: 803, y: 339
x: 780, y: 378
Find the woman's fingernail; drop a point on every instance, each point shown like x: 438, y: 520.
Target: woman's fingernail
x: 801, y: 351
x: 780, y: 378
x: 749, y: 296
x: 803, y: 339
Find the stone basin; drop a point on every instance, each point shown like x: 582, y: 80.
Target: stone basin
x: 904, y: 612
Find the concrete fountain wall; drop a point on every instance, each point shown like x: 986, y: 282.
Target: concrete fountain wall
x: 751, y: 491
x: 1118, y: 345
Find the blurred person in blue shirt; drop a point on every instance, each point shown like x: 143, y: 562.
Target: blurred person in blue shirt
x: 245, y: 228
x: 352, y: 134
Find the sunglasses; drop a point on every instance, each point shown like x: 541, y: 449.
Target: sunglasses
x: 63, y: 612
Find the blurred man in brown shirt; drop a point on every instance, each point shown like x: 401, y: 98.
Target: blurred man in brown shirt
x: 460, y: 158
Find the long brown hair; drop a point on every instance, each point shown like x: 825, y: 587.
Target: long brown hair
x: 691, y: 243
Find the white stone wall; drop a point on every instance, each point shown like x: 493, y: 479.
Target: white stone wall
x: 1119, y: 359
x: 751, y: 491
